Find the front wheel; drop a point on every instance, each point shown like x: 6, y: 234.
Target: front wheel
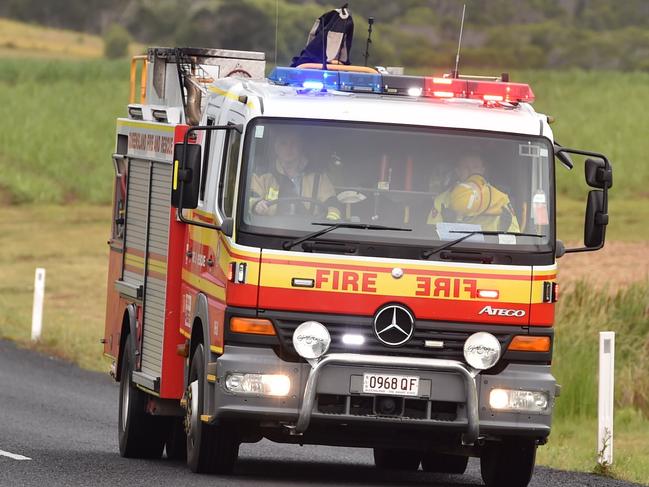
x: 210, y: 449
x: 396, y: 459
x: 140, y: 434
x: 508, y: 463
x: 176, y: 446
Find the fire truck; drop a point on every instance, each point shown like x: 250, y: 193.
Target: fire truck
x: 338, y: 256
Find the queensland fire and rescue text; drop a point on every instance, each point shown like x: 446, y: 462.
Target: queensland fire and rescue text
x: 337, y: 256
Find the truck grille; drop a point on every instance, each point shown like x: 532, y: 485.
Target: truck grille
x: 369, y: 406
x: 453, y: 341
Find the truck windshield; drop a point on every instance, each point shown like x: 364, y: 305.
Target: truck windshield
x: 438, y: 182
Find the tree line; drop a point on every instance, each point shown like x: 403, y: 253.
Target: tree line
x: 591, y: 34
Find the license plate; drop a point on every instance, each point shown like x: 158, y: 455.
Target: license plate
x: 397, y: 385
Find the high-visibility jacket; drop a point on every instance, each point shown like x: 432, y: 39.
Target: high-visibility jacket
x: 275, y: 185
x: 498, y: 215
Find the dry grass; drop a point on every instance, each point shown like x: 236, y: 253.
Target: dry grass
x: 616, y: 266
x: 21, y: 40
x: 70, y: 243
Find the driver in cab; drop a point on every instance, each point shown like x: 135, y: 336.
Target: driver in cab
x: 289, y: 188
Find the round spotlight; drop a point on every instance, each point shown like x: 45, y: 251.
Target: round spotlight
x: 311, y: 340
x: 482, y: 350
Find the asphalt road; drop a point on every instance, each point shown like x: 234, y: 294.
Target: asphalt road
x: 64, y: 420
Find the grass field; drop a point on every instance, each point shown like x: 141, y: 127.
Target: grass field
x: 70, y: 242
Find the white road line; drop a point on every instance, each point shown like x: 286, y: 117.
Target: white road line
x: 13, y: 456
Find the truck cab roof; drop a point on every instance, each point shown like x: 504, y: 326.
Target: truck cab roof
x: 268, y: 99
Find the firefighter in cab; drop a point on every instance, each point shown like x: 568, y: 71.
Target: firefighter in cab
x: 472, y: 199
x: 290, y: 187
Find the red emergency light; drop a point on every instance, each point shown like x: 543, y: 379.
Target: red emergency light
x: 487, y: 91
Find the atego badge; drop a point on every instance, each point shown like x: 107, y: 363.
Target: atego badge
x: 394, y: 325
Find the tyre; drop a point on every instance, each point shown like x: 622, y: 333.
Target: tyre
x: 396, y: 459
x: 210, y: 449
x: 444, y: 463
x: 176, y: 445
x: 140, y: 434
x: 510, y: 463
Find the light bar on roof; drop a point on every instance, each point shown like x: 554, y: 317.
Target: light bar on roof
x: 403, y: 85
x: 488, y: 91
x: 500, y: 91
x: 361, y: 82
x: 305, y: 78
x: 444, y: 87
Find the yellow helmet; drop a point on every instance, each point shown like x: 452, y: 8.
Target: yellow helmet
x: 471, y: 197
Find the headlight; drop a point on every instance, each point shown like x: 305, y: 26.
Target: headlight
x: 512, y: 400
x: 265, y: 384
x: 482, y: 350
x: 311, y: 340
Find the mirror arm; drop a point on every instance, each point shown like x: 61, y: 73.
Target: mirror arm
x: 584, y: 249
x: 558, y: 149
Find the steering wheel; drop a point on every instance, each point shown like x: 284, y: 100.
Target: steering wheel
x: 297, y: 199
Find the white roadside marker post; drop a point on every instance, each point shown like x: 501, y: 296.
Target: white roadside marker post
x: 605, y: 399
x: 37, y: 309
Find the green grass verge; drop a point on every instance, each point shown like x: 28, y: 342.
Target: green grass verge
x: 58, y: 131
x: 599, y: 111
x: 573, y: 446
x: 70, y: 242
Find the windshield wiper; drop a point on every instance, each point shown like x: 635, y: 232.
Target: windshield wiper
x: 334, y: 226
x: 427, y: 253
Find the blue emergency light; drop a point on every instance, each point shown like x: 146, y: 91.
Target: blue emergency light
x: 360, y: 82
x: 309, y: 79
x: 318, y: 80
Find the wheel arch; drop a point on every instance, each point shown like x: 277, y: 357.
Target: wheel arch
x: 200, y: 325
x: 129, y: 326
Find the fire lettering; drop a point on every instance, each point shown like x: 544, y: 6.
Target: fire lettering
x: 423, y: 286
x: 345, y: 280
x: 447, y: 287
x: 369, y: 283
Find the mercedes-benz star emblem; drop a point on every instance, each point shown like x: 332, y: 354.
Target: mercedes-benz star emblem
x: 394, y: 325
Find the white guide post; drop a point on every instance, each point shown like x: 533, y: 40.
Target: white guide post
x: 605, y: 400
x: 37, y: 309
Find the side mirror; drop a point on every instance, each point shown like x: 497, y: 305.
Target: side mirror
x: 597, y: 175
x: 186, y: 176
x: 596, y: 220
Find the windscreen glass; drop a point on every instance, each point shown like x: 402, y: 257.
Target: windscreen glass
x: 438, y: 183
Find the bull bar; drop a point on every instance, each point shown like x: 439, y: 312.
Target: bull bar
x: 468, y: 374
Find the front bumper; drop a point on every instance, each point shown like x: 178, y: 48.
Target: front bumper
x: 336, y: 375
